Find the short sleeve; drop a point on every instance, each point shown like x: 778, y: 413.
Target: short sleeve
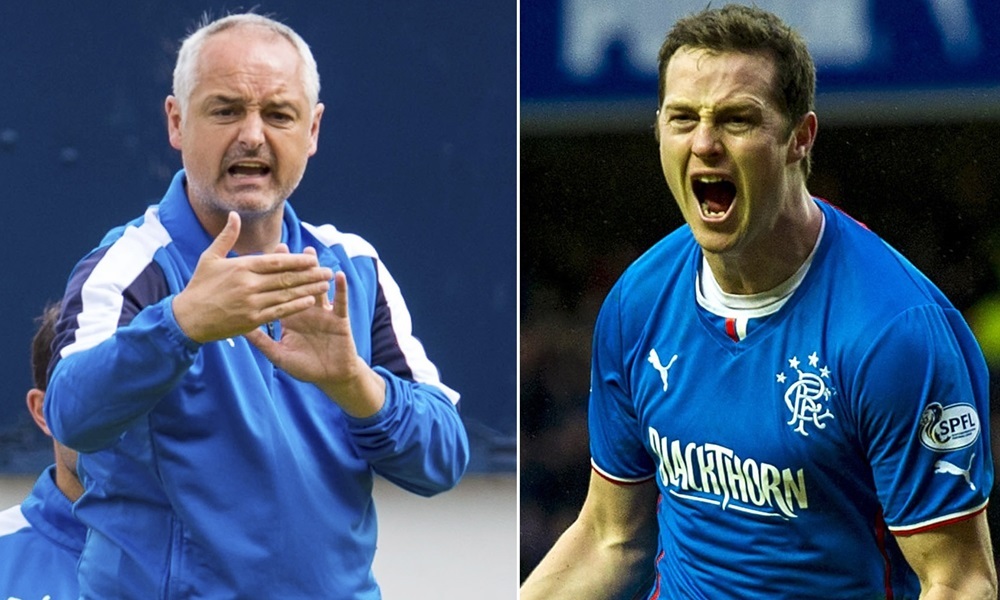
x: 616, y: 443
x: 923, y: 419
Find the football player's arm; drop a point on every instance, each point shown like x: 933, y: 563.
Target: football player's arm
x: 607, y: 552
x: 953, y: 561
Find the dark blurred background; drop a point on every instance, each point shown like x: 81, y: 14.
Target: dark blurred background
x: 417, y: 154
x: 909, y: 113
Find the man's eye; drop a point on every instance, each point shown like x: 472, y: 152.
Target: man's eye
x: 739, y: 122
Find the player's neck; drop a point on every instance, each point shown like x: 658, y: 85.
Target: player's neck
x: 771, y: 259
x: 66, y: 479
x: 259, y: 235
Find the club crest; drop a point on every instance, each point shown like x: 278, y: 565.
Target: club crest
x: 807, y: 394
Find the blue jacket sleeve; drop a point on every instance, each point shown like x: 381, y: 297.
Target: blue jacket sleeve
x: 117, y: 349
x: 417, y: 440
x: 96, y: 394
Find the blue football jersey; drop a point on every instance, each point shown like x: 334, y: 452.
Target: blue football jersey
x: 785, y: 460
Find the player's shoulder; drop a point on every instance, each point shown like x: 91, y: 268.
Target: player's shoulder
x: 143, y: 230
x: 352, y: 244
x: 870, y: 263
x: 12, y: 520
x: 125, y: 251
x: 668, y: 263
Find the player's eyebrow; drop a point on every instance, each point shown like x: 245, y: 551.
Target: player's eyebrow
x: 728, y: 106
x: 679, y: 104
x: 738, y: 107
x: 224, y: 100
x: 283, y: 105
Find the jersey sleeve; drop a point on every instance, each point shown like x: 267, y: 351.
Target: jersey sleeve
x: 616, y: 443
x: 924, y: 420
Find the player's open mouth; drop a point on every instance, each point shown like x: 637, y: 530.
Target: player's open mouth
x: 248, y: 169
x: 715, y: 195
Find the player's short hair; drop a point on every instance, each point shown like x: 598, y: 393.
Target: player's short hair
x: 186, y: 69
x: 747, y: 29
x: 41, y: 345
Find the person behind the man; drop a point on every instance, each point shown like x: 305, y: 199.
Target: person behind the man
x: 231, y: 405
x: 782, y: 406
x: 41, y: 540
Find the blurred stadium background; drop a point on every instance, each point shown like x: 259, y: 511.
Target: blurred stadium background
x: 909, y: 112
x: 417, y: 154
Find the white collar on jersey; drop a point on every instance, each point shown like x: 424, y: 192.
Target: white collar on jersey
x: 735, y: 306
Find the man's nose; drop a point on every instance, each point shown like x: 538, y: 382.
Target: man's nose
x: 705, y: 142
x: 252, y: 131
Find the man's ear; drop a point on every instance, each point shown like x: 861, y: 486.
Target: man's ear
x: 317, y: 116
x: 35, y: 401
x: 803, y: 138
x: 172, y: 107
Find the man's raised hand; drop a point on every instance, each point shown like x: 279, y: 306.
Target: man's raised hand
x: 317, y: 346
x: 227, y: 297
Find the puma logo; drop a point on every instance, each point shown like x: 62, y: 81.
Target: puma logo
x: 654, y: 359
x: 943, y: 466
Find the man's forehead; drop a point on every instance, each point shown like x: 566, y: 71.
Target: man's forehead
x: 263, y: 68
x: 702, y: 59
x: 729, y: 72
x: 245, y: 46
x: 246, y: 34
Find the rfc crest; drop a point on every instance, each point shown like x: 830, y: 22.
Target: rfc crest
x: 807, y: 394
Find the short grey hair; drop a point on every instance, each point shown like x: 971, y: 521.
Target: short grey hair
x: 185, y: 72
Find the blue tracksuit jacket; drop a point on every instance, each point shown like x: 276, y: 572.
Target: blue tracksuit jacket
x: 40, y: 542
x: 208, y: 472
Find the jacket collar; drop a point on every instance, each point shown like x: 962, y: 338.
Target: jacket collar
x: 187, y: 233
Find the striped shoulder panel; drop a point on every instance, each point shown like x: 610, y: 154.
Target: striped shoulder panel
x: 420, y: 366
x: 404, y: 344
x: 102, y: 292
x: 354, y: 245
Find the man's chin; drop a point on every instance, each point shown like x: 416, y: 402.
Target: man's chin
x: 249, y: 206
x: 249, y: 200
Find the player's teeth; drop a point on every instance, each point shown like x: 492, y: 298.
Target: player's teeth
x: 710, y: 213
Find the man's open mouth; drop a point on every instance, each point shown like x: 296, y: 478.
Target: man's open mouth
x: 715, y: 195
x: 248, y: 169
